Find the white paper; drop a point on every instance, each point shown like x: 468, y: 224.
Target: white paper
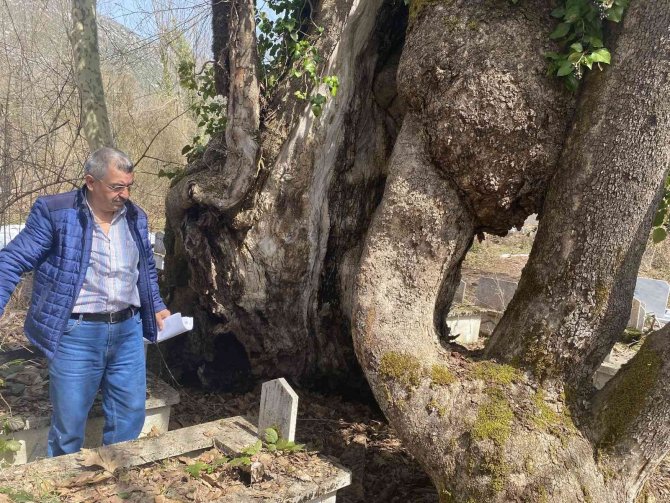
x: 174, y: 324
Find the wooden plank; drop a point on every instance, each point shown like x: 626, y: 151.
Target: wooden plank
x: 279, y: 408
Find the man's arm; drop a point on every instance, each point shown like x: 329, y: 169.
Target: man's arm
x: 25, y: 251
x: 159, y: 306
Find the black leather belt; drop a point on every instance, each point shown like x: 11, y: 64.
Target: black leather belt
x: 116, y: 317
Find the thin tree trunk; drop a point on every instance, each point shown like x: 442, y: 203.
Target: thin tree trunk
x: 84, y: 39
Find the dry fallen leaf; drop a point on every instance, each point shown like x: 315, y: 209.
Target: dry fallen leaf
x: 154, y: 432
x: 186, y: 460
x: 5, y: 499
x: 104, y: 458
x: 88, y: 478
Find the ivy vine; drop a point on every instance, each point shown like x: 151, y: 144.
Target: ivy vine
x: 580, y: 34
x: 207, y: 106
x: 287, y: 47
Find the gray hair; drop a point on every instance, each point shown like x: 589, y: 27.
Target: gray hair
x: 102, y: 159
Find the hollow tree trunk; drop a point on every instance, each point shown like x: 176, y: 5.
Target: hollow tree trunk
x: 84, y: 40
x: 275, y: 263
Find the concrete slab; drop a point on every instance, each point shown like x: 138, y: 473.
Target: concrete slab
x: 466, y: 327
x: 229, y: 435
x: 459, y: 296
x: 604, y: 373
x: 638, y: 313
x: 653, y: 293
x: 33, y: 430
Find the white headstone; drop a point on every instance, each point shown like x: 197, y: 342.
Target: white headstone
x: 494, y: 293
x: 637, y: 315
x: 159, y: 245
x: 279, y: 408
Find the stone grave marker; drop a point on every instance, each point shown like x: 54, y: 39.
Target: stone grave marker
x: 279, y: 408
x: 637, y: 315
x: 159, y: 245
x: 459, y: 295
x: 494, y: 293
x: 653, y: 293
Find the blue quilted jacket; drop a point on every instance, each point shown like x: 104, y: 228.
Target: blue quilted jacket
x: 56, y: 244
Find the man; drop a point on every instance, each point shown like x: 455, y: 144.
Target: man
x: 95, y: 294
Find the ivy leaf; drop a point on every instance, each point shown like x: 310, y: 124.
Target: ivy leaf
x: 552, y: 55
x: 573, y: 13
x: 577, y: 47
x: 588, y: 61
x: 596, y: 42
x: 271, y: 436
x: 615, y: 13
x: 560, y: 31
x: 659, y: 218
x: 565, y: 69
x: 195, y: 469
x: 659, y: 234
x: 558, y: 12
x: 241, y: 461
x: 252, y: 450
x: 601, y: 56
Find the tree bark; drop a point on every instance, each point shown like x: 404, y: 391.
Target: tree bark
x: 84, y: 40
x: 357, y: 222
x: 452, y: 424
x: 574, y: 295
x: 286, y: 253
x: 220, y: 37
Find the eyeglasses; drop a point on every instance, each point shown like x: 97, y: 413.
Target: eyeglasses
x: 117, y: 187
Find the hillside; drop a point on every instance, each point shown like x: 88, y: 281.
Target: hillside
x: 42, y: 25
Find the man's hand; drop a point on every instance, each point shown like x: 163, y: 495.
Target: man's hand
x: 160, y: 316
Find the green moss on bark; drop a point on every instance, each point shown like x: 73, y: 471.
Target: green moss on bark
x: 547, y: 419
x: 434, y: 406
x: 629, y: 396
x: 494, y: 419
x: 495, y: 373
x: 440, y: 375
x: 416, y: 6
x: 402, y: 368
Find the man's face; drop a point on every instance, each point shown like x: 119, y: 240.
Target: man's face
x: 111, y: 193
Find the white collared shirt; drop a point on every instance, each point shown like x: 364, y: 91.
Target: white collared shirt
x: 110, y: 284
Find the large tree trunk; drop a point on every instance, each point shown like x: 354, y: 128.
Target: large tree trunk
x: 84, y: 39
x: 356, y: 224
x: 510, y: 428
x: 286, y: 251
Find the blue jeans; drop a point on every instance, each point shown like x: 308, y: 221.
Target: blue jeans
x: 96, y: 356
